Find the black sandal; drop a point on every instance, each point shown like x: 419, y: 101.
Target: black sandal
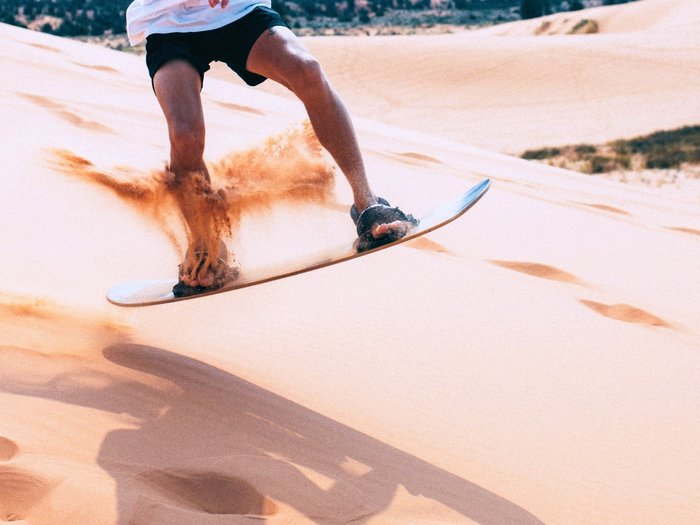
x: 379, y: 213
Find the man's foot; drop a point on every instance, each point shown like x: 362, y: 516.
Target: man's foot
x: 380, y: 224
x: 203, y: 273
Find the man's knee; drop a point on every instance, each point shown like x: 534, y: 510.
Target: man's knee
x: 307, y: 77
x: 187, y: 137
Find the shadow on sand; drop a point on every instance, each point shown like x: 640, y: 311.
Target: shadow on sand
x: 207, y: 447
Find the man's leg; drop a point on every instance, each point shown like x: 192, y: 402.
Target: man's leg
x: 177, y: 86
x: 279, y: 55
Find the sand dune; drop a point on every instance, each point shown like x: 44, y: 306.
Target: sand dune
x: 667, y: 19
x: 534, y: 362
x: 520, y: 91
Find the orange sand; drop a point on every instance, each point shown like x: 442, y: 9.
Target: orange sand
x: 534, y: 362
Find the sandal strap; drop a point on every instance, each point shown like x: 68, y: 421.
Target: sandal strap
x: 354, y: 214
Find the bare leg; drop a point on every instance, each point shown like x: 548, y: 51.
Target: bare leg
x: 279, y: 55
x: 177, y: 85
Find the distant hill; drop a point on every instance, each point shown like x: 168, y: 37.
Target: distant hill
x: 66, y: 17
x: 105, y: 17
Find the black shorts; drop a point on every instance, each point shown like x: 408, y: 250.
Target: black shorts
x: 230, y: 44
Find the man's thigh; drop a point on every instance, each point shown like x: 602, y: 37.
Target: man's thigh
x: 278, y: 54
x: 233, y: 43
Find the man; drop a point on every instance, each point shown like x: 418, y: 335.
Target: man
x: 182, y: 38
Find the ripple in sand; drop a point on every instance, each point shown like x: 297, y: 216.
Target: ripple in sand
x: 43, y: 47
x: 419, y: 156
x: 60, y: 111
x: 691, y: 231
x: 239, y: 107
x: 605, y: 207
x: 97, y: 67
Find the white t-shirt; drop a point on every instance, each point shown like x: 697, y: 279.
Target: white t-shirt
x: 147, y: 17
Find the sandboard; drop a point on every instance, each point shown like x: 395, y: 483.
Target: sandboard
x: 145, y: 293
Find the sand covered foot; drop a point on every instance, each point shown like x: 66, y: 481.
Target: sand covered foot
x: 201, y: 272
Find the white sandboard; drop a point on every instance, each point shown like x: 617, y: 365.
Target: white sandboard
x: 145, y: 293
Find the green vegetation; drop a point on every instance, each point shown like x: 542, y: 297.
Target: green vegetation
x: 99, y: 17
x: 585, y: 27
x: 66, y: 17
x: 661, y: 150
x: 106, y: 17
x: 537, y: 8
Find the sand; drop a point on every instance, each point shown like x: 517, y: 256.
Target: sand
x: 534, y: 362
x: 520, y: 90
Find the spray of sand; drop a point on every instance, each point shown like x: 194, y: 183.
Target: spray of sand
x: 147, y: 193
x: 288, y: 167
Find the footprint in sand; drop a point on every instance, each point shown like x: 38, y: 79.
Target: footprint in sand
x: 619, y: 312
x: 69, y: 116
x: 542, y: 271
x: 210, y: 492
x: 8, y: 449
x: 626, y: 313
x: 20, y: 492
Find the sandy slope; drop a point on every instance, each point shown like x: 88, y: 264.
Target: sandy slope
x: 519, y: 91
x: 534, y: 362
